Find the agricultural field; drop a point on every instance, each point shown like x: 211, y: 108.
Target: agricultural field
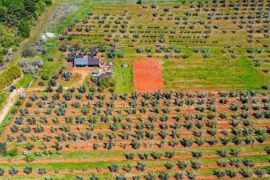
x: 186, y: 94
x: 210, y: 45
x: 158, y: 135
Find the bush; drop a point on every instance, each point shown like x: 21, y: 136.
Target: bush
x: 3, y: 148
x: 29, y: 158
x: 29, y: 146
x: 265, y: 86
x: 28, y: 52
x: 13, y: 152
x: 31, y: 65
x: 139, y: 2
x: 48, y: 2
x: 1, y: 172
x: 24, y: 29
x: 13, y: 171
x: 219, y: 173
x: 63, y: 48
x: 27, y: 170
x: 50, y: 58
x: 104, y: 83
x: 42, y: 171
x: 45, y: 76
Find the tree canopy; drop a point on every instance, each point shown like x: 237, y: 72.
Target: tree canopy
x: 16, y: 19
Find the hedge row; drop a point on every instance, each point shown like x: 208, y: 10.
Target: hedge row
x: 9, y: 75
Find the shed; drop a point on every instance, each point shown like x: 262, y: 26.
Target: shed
x: 83, y: 61
x: 93, y: 62
x: 80, y: 62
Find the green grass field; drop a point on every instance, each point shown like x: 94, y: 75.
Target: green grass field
x: 123, y: 77
x: 212, y: 74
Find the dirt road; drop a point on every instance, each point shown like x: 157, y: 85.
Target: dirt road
x: 10, y: 102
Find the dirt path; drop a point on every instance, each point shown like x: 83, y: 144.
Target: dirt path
x: 10, y: 102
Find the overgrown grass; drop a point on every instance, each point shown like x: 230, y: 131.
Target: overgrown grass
x: 123, y: 77
x: 85, y: 8
x: 25, y: 81
x: 3, y: 99
x: 212, y: 74
x: 7, y: 119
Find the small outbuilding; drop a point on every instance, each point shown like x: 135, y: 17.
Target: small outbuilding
x: 86, y: 61
x: 81, y: 62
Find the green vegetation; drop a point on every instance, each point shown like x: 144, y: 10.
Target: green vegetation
x: 99, y: 128
x: 200, y: 50
x: 7, y: 119
x: 123, y: 76
x: 9, y: 75
x: 3, y: 98
x: 16, y: 19
x: 212, y: 74
x: 25, y: 81
x: 85, y: 8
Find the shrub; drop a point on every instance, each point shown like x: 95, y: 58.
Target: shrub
x: 140, y: 166
x: 190, y: 175
x: 178, y: 176
x: 260, y: 172
x: 163, y: 176
x: 231, y: 173
x: 219, y: 173
x: 246, y: 173
x: 27, y: 170
x: 2, y: 172
x: 3, y: 148
x: 45, y: 76
x: 63, y: 48
x: 42, y: 171
x: 29, y: 146
x: 13, y: 171
x: 195, y: 165
x: 93, y: 177
x: 113, y: 168
x: 28, y: 52
x: 181, y: 164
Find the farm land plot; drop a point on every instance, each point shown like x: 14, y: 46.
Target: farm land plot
x: 209, y: 46
x: 137, y: 134
x: 148, y: 75
x: 80, y: 133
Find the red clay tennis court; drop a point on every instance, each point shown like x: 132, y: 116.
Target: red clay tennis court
x: 148, y: 75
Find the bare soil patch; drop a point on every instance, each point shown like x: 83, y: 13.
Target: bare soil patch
x: 148, y: 75
x: 79, y: 74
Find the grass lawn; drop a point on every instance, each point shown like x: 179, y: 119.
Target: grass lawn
x: 123, y: 77
x: 215, y: 74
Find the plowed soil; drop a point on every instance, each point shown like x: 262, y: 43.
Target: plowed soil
x: 148, y: 76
